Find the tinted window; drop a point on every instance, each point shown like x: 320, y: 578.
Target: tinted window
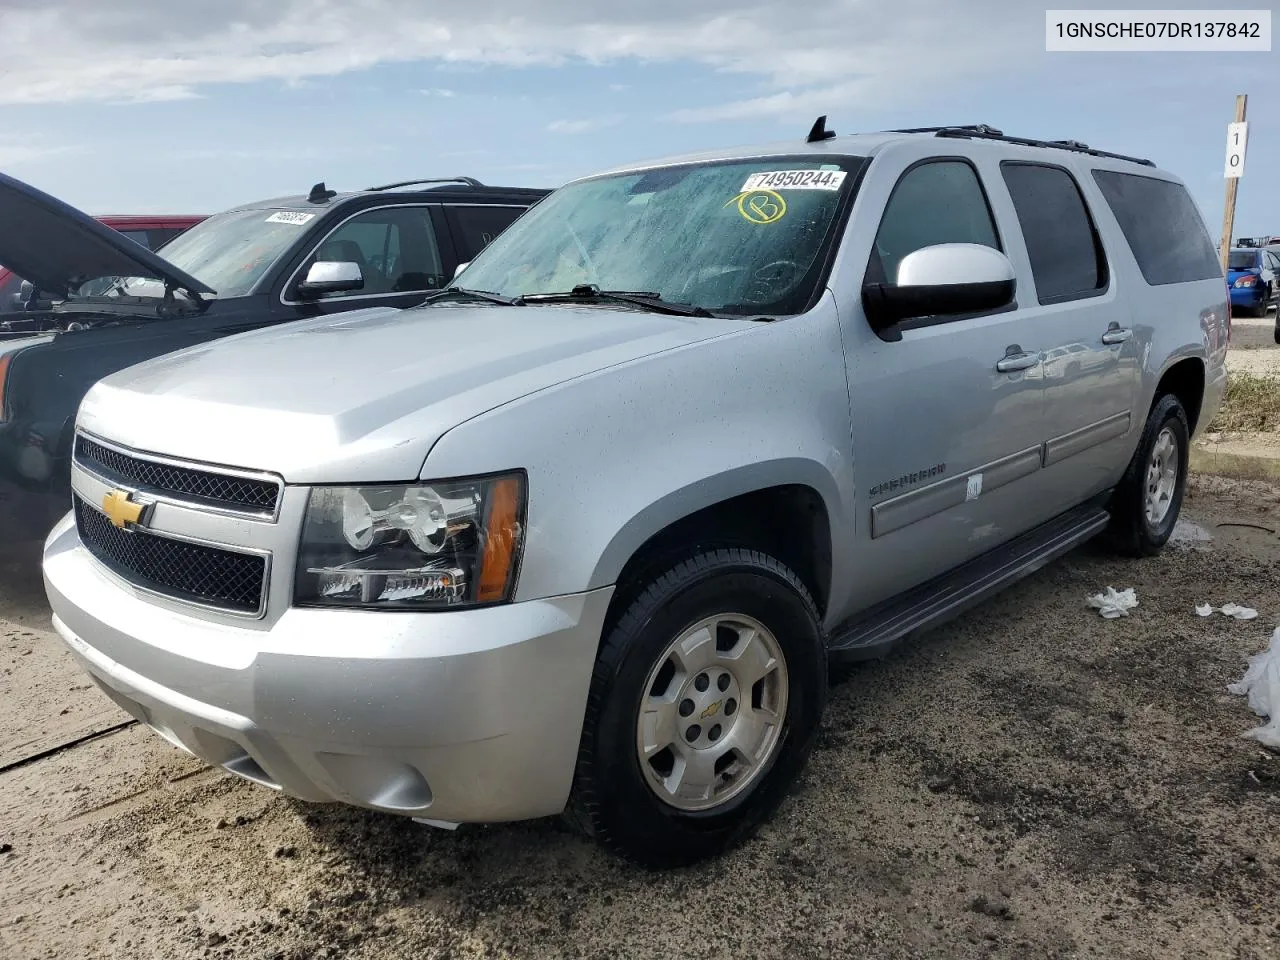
x: 475, y: 227
x: 1062, y: 243
x: 395, y: 248
x: 137, y: 236
x: 1162, y: 226
x: 162, y: 235
x: 1242, y: 259
x: 938, y: 202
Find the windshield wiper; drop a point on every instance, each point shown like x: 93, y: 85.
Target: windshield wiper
x: 484, y: 295
x: 650, y: 301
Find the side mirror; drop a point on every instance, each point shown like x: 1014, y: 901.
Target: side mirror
x: 331, y: 276
x: 461, y: 267
x: 948, y: 279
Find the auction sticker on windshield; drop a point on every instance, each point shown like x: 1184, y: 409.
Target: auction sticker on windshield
x: 290, y: 216
x: 795, y: 180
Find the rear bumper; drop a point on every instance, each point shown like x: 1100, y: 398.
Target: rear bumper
x: 471, y: 716
x: 1247, y: 296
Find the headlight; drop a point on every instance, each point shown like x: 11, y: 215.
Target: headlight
x: 413, y: 547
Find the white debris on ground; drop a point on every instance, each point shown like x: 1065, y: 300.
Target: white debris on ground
x: 1114, y: 603
x: 1233, y: 610
x: 1186, y: 534
x: 1261, y: 684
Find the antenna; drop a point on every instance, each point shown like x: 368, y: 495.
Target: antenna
x: 319, y: 194
x: 819, y: 132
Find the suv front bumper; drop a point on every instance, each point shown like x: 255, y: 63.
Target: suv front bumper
x: 465, y: 716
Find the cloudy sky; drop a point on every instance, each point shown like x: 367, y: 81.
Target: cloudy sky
x: 193, y: 106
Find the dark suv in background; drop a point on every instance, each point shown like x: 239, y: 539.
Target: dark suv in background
x: 97, y: 302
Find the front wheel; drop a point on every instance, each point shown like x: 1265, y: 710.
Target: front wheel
x: 1147, y: 502
x: 704, y: 704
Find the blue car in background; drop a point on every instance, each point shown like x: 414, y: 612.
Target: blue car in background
x: 1253, y: 275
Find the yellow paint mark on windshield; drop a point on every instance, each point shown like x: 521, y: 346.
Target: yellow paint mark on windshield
x: 760, y: 206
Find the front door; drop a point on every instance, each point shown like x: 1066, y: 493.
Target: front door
x: 946, y: 420
x: 397, y: 251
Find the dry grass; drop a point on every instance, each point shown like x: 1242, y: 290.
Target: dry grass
x: 1252, y: 404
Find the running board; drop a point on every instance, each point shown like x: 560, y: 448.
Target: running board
x: 874, y: 633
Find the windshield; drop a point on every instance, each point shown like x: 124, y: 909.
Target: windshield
x: 228, y: 253
x: 1243, y: 260
x: 732, y: 237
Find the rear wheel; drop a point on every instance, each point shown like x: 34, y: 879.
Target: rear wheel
x: 1147, y: 502
x: 704, y: 704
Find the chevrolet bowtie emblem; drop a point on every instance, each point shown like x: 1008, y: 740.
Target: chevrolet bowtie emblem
x: 123, y: 512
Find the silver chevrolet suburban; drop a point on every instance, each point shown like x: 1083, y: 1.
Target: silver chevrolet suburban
x: 582, y: 533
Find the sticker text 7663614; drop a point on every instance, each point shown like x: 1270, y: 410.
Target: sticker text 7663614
x: 290, y: 216
x: 795, y: 180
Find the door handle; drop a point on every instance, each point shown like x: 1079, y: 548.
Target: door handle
x: 1017, y: 361
x: 1116, y: 335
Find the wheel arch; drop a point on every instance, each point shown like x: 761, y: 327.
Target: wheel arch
x: 1184, y: 378
x: 786, y: 508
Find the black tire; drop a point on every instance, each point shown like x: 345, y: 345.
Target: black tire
x: 1277, y: 333
x: 1131, y: 533
x: 611, y: 799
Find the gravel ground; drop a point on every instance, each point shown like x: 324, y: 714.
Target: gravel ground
x: 1028, y: 781
x: 1253, y: 346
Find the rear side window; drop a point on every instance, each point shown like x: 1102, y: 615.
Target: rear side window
x: 940, y: 201
x: 1066, y: 255
x: 1162, y: 226
x: 475, y: 227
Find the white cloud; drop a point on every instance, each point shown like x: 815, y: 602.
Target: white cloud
x: 439, y: 92
x: 586, y: 125
x: 26, y: 152
x: 828, y: 52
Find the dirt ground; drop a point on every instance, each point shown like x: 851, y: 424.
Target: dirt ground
x: 1029, y: 781
x: 1253, y: 346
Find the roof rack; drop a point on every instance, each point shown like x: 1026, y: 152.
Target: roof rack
x: 981, y: 131
x: 469, y: 181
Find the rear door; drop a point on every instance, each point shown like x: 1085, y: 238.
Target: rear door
x: 1094, y: 351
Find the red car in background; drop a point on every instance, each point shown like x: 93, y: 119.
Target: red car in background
x: 150, y: 231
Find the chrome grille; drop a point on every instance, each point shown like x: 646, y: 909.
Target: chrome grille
x: 205, y: 486
x: 185, y: 571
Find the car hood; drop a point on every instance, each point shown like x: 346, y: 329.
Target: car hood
x: 56, y: 246
x: 362, y: 397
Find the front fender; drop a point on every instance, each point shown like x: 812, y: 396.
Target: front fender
x: 616, y: 456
